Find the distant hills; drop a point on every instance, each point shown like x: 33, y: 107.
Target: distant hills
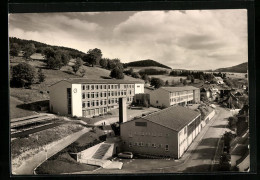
x: 146, y: 63
x: 240, y: 68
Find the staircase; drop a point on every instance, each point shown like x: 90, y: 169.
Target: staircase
x: 102, y: 150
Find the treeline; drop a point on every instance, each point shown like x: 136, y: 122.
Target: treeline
x: 152, y: 72
x: 198, y: 75
x: 145, y: 63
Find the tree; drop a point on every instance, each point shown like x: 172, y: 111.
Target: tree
x: 65, y: 58
x: 14, y: 49
x: 146, y: 78
x: 188, y: 77
x: 201, y: 77
x: 41, y: 76
x: 232, y: 121
x: 184, y: 82
x: 157, y: 82
x: 166, y: 82
x: 117, y: 73
x: 136, y: 75
x: 54, y: 62
x: 77, y: 65
x: 23, y: 74
x: 192, y: 79
x: 93, y: 56
x: 29, y: 49
x: 103, y: 62
x: 82, y: 72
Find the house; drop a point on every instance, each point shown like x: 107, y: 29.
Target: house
x: 168, y: 132
x: 90, y: 97
x: 219, y: 80
x: 168, y: 96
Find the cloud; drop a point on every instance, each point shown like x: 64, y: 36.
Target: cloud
x: 194, y: 39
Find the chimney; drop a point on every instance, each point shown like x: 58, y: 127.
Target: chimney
x: 122, y: 110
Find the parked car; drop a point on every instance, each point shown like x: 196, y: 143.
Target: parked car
x: 128, y: 155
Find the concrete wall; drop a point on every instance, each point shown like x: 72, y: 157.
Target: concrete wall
x: 58, y: 97
x: 145, y: 136
x: 160, y: 95
x: 139, y: 88
x: 76, y: 99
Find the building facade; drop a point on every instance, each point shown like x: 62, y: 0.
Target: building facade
x: 87, y: 98
x: 168, y: 132
x: 168, y: 96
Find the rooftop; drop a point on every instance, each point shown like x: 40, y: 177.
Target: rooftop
x: 175, y: 117
x: 100, y: 81
x: 182, y: 88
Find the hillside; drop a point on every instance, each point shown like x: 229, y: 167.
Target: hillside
x: 39, y: 46
x: 146, y: 63
x: 241, y: 68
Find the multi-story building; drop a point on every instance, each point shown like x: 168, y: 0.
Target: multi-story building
x: 168, y: 96
x: 88, y: 97
x: 168, y: 132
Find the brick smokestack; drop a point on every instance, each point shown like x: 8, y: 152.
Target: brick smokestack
x: 122, y: 110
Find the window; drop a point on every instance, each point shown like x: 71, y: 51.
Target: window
x: 88, y: 95
x: 101, y: 86
x: 105, y: 102
x: 97, y: 94
x: 92, y: 95
x: 115, y: 93
x: 166, y: 147
x: 92, y: 87
x: 93, y: 103
x: 112, y: 93
x: 109, y: 102
x: 105, y: 86
x: 87, y: 87
x: 108, y: 93
x: 101, y: 94
x: 88, y: 104
x: 112, y: 86
x: 97, y: 103
x: 83, y: 96
x: 157, y: 102
x: 96, y: 86
x: 130, y: 92
x: 101, y: 102
x: 122, y: 93
x: 108, y: 86
x: 138, y: 86
x: 83, y: 105
x: 105, y: 94
x: 83, y: 87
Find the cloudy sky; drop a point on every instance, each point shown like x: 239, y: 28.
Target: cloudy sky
x: 206, y: 39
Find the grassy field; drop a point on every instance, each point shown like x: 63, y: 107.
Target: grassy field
x: 169, y: 78
x: 137, y: 69
x: 16, y: 112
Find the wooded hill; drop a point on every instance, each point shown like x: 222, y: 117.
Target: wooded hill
x: 240, y: 68
x: 146, y: 63
x: 41, y: 46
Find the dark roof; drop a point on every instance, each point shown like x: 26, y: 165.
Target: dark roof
x: 239, y: 149
x: 99, y: 81
x: 174, y: 117
x: 182, y: 88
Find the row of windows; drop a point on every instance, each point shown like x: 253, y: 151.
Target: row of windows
x: 147, y: 134
x: 154, y: 145
x: 180, y: 93
x: 102, y: 102
x: 104, y: 86
x: 104, y: 94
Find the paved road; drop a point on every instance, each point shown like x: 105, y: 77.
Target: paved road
x: 29, y: 165
x: 198, y: 158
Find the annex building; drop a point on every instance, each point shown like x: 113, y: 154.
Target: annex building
x: 90, y: 97
x: 168, y: 96
x: 168, y: 132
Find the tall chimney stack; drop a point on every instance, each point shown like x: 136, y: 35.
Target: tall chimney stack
x: 122, y: 110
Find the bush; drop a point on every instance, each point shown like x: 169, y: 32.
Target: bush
x: 22, y: 74
x: 117, y: 73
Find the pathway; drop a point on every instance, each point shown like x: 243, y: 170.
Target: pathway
x: 28, y: 166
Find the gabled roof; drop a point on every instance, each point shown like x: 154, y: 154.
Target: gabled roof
x: 174, y: 117
x: 177, y: 89
x: 99, y: 81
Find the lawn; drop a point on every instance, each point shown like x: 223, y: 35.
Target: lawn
x: 137, y: 69
x: 16, y: 112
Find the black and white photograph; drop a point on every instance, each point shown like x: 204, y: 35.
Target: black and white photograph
x: 129, y: 92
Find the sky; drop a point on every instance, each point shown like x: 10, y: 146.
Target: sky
x: 192, y: 39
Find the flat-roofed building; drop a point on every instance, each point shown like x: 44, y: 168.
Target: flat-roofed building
x: 88, y: 97
x: 168, y: 96
x: 168, y: 132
